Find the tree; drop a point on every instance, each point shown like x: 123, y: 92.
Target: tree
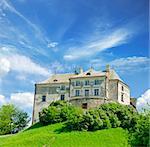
x: 12, y: 119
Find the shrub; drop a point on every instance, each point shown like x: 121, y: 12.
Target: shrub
x: 115, y: 122
x: 75, y: 120
x: 50, y: 115
x: 140, y: 135
x: 125, y: 114
x: 92, y: 120
x: 58, y: 111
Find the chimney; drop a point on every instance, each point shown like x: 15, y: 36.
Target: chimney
x: 91, y: 69
x: 107, y: 67
x: 80, y: 70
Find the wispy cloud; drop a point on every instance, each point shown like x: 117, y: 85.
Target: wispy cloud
x: 57, y: 67
x: 126, y: 64
x: 6, y: 5
x: 113, y: 39
x: 13, y: 33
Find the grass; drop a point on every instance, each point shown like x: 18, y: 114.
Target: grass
x: 51, y: 136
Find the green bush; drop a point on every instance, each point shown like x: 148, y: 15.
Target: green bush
x: 114, y: 121
x: 124, y: 115
x: 75, y: 120
x: 58, y: 111
x: 139, y: 136
x: 92, y: 120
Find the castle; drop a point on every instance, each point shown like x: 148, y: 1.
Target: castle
x: 84, y: 89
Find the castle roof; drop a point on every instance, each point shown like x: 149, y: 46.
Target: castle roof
x: 58, y: 78
x: 114, y: 75
x: 64, y: 78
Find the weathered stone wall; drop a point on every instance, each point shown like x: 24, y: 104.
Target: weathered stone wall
x: 52, y: 93
x: 91, y: 102
x: 113, y: 90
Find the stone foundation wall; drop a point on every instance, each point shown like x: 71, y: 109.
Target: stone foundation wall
x: 91, y: 102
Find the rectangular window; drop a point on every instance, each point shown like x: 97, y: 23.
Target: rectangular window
x: 72, y: 83
x: 122, y: 88
x: 84, y: 105
x: 87, y: 82
x: 77, y: 83
x: 43, y: 98
x: 96, y: 82
x: 96, y: 92
x: 86, y: 92
x: 122, y: 98
x: 62, y: 97
x: 62, y: 87
x: 77, y: 93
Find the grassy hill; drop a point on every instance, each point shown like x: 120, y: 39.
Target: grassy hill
x: 52, y: 136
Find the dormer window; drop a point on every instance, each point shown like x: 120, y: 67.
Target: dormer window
x: 88, y: 73
x: 55, y: 80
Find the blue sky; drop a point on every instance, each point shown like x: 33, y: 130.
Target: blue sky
x: 38, y: 38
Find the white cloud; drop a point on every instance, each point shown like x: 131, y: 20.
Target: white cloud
x: 4, y: 67
x: 52, y: 44
x: 2, y: 100
x: 24, y: 64
x: 23, y: 100
x: 143, y: 102
x: 12, y: 61
x: 110, y: 40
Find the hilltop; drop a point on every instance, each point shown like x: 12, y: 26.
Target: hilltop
x: 51, y: 136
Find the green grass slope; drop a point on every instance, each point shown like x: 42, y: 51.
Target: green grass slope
x: 51, y: 136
